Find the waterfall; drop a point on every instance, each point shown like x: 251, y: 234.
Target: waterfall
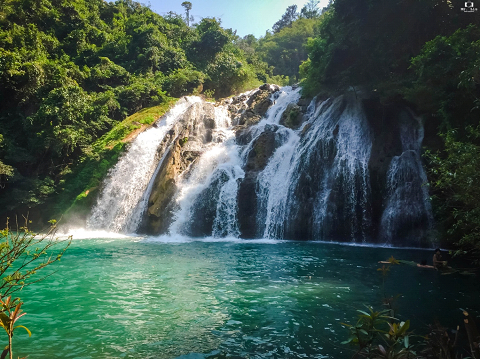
x: 408, y: 212
x: 209, y: 194
x: 119, y: 207
x: 301, y: 170
x: 304, y: 175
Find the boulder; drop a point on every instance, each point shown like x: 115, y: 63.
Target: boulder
x: 249, y: 108
x: 292, y: 117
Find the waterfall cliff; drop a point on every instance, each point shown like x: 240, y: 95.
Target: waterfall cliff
x: 270, y: 164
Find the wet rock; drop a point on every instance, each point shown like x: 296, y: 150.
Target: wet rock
x: 258, y: 157
x: 261, y: 152
x: 180, y: 148
x: 292, y: 117
x: 248, y: 109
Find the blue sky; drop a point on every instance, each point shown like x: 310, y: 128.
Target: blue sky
x: 246, y: 16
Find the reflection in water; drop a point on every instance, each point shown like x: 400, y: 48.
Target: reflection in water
x: 154, y: 298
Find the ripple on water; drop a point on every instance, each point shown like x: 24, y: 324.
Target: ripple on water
x: 150, y: 298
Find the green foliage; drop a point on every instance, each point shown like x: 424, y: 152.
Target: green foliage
x: 378, y: 335
x: 287, y: 19
x: 455, y: 174
x: 447, y: 76
x: 210, y: 39
x: 228, y: 73
x: 5, y: 170
x: 184, y: 81
x: 310, y: 10
x: 370, y: 43
x: 286, y: 49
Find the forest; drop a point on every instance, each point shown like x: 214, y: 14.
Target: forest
x: 72, y: 72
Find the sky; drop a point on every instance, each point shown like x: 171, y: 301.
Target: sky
x: 246, y: 16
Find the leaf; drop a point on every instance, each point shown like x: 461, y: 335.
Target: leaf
x: 406, y: 341
x: 348, y: 341
x: 403, y: 327
x: 393, y: 260
x: 4, y: 321
x: 364, y: 313
x: 382, y: 349
x: 21, y: 326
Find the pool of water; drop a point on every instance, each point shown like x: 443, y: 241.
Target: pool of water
x: 169, y: 298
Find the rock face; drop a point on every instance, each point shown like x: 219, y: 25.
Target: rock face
x: 261, y: 151
x: 179, y: 149
x: 249, y: 108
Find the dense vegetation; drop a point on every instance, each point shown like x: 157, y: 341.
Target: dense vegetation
x: 71, y: 71
x: 285, y: 48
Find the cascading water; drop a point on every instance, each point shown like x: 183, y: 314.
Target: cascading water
x: 408, y: 211
x: 207, y: 198
x: 270, y: 178
x: 321, y: 178
x: 117, y: 208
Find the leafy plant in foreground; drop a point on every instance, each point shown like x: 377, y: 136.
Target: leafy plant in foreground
x: 377, y: 335
x: 8, y: 316
x: 22, y: 254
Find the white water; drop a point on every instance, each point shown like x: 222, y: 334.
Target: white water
x: 117, y: 208
x: 332, y: 132
x: 221, y: 160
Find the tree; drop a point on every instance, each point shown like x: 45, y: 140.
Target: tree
x: 211, y: 39
x: 310, y: 10
x: 286, y: 49
x: 188, y: 6
x: 454, y: 176
x: 370, y: 43
x: 287, y: 19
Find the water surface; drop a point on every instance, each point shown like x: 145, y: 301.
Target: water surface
x: 170, y: 298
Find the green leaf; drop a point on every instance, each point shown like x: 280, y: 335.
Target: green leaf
x: 21, y: 326
x: 348, y: 341
x: 364, y: 313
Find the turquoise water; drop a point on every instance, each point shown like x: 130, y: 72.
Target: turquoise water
x: 147, y: 298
